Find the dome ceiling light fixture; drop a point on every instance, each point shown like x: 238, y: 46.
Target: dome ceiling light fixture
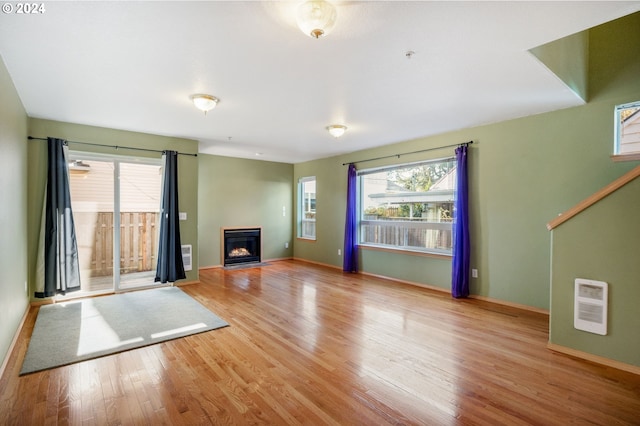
x: 316, y: 17
x: 336, y: 130
x: 204, y: 102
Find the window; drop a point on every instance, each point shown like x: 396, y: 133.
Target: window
x: 307, y: 207
x: 408, y: 207
x: 627, y: 130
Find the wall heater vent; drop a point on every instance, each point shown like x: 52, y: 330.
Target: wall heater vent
x: 187, y: 257
x: 590, y: 306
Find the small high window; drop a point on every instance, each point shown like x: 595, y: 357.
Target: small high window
x: 627, y: 129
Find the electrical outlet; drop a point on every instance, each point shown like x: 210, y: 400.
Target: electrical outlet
x: 339, y: 252
x: 182, y: 215
x: 474, y: 273
x: 286, y: 245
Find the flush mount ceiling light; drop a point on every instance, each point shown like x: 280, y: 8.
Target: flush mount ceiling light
x: 205, y: 102
x: 336, y: 130
x: 316, y: 17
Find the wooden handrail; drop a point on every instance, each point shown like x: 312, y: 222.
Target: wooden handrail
x: 591, y: 200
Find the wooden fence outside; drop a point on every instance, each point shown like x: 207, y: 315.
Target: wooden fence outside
x: 405, y: 235
x: 138, y: 242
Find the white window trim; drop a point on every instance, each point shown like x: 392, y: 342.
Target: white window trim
x: 301, y: 212
x: 408, y: 223
x: 617, y: 155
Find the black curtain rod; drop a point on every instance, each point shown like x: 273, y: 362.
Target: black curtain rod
x: 407, y: 153
x: 115, y: 146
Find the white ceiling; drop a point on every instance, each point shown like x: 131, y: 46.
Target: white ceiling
x: 133, y: 66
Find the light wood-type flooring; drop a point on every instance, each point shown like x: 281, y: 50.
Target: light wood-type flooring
x: 310, y: 345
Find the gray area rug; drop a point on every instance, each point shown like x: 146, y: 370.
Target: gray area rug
x: 68, y: 332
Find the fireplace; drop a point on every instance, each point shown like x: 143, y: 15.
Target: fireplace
x: 241, y: 245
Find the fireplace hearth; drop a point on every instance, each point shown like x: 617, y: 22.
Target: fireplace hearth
x: 241, y: 245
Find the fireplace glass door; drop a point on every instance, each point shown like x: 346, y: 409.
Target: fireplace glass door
x: 241, y: 246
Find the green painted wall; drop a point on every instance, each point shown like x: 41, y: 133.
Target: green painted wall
x: 13, y: 215
x: 602, y: 243
x: 235, y: 192
x: 523, y: 173
x: 331, y: 189
x: 568, y: 58
x: 614, y: 59
x: 187, y: 173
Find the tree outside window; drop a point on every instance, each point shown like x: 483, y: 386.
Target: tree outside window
x: 409, y: 206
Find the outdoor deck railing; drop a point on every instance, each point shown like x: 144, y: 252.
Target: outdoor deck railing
x: 411, y: 234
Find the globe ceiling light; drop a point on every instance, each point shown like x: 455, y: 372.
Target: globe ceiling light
x: 316, y: 17
x: 205, y: 102
x: 336, y: 130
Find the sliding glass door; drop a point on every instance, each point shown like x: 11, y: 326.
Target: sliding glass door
x: 116, y: 202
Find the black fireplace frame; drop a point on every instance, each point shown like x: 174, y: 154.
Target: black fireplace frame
x: 231, y: 238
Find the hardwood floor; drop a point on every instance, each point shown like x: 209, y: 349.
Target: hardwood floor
x: 311, y: 345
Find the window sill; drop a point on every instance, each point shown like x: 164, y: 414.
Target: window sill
x: 311, y: 240
x: 407, y: 252
x: 632, y: 156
